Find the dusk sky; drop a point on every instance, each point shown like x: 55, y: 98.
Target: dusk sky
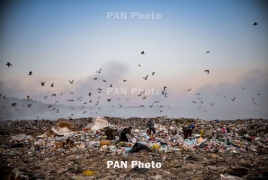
x: 70, y: 40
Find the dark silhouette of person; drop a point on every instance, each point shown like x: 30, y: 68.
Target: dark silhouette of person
x: 123, y: 134
x: 150, y: 125
x: 110, y: 133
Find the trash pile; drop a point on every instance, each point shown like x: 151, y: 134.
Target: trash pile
x: 185, y: 148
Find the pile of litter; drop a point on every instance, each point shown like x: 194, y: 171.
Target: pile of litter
x: 75, y: 149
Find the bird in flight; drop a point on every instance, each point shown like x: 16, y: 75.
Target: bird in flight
x: 50, y: 106
x: 104, y: 80
x: 233, y: 99
x: 151, y: 106
x: 109, y: 100
x: 14, y: 104
x: 189, y: 90
x: 43, y: 83
x: 71, y: 92
x: 259, y: 94
x: 53, y: 94
x: 144, y: 98
x: 52, y: 85
x: 153, y: 73
x: 89, y: 94
x: 61, y: 93
x: 161, y: 111
x: 8, y: 64
x: 29, y: 105
x: 56, y: 102
x: 124, y: 80
x: 242, y: 88
x: 30, y: 73
x: 142, y: 52
x: 84, y: 112
x: 99, y: 71
x: 145, y: 77
x: 198, y: 94
x: 207, y: 52
x: 95, y: 79
x: 71, y: 81
x: 255, y: 24
x: 139, y: 65
x: 207, y: 71
x: 253, y: 99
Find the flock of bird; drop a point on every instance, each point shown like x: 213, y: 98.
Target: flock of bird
x: 141, y: 94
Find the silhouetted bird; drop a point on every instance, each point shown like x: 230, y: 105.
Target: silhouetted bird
x: 253, y: 99
x: 144, y: 98
x: 14, y: 104
x: 71, y: 92
x: 124, y: 80
x: 242, y: 88
x: 161, y: 111
x: 99, y: 71
x: 233, y: 99
x: 207, y: 52
x: 43, y: 83
x: 111, y: 85
x: 89, y: 94
x: 198, y: 94
x: 103, y: 80
x: 145, y: 77
x: 259, y: 94
x: 255, y: 24
x: 109, y: 100
x: 151, y: 106
x: 142, y: 52
x: 165, y: 87
x: 61, y: 93
x: 95, y: 78
x: 30, y: 73
x: 52, y: 85
x: 193, y: 101
x: 8, y: 64
x: 53, y: 94
x: 71, y: 81
x: 139, y: 65
x: 50, y: 106
x: 189, y: 90
x: 207, y: 71
x: 153, y: 73
x: 84, y: 112
x: 90, y: 101
x: 56, y: 102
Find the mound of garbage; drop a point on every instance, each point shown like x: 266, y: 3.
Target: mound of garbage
x: 74, y: 149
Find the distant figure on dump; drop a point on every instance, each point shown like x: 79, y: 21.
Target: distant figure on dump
x: 187, y: 132
x: 150, y: 125
x: 110, y: 133
x: 123, y: 134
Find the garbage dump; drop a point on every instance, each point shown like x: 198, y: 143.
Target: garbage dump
x: 90, y: 148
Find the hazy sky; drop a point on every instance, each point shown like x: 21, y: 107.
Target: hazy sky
x: 70, y: 40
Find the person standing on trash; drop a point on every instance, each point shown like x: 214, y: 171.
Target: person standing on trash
x: 188, y: 131
x: 150, y: 125
x: 123, y: 134
x: 110, y: 133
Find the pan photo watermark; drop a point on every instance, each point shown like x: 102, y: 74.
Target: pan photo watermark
x: 133, y: 91
x: 133, y: 16
x: 133, y: 164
